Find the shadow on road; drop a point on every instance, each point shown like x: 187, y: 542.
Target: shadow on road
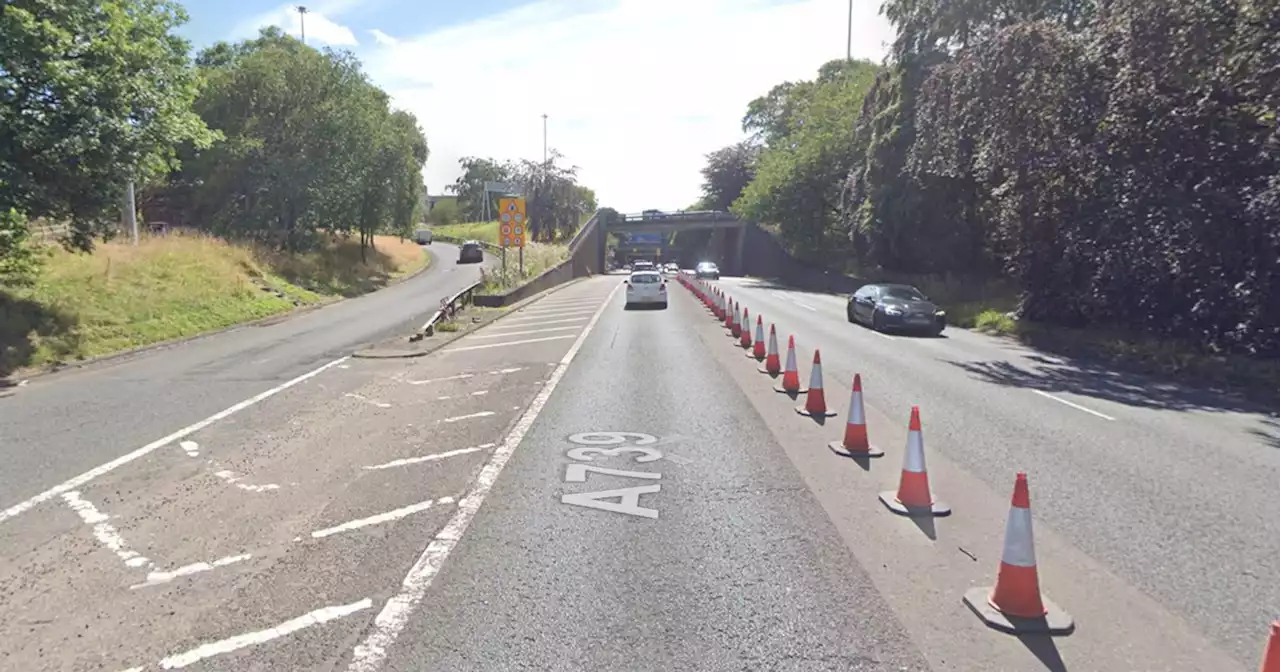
x: 1043, y: 648
x: 25, y: 326
x: 1268, y: 431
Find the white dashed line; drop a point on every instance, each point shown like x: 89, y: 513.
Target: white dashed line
x: 104, y: 532
x: 508, y: 343
x: 522, y: 333
x: 191, y: 448
x: 231, y: 479
x: 460, y: 376
x: 87, y: 476
x: 370, y: 654
x: 481, y: 414
x: 1078, y: 407
x: 429, y: 458
x: 158, y: 578
x: 379, y: 404
x: 498, y: 326
x: 262, y: 636
x: 564, y: 314
x: 387, y: 517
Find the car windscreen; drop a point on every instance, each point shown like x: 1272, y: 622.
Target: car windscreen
x: 901, y: 294
x: 645, y: 278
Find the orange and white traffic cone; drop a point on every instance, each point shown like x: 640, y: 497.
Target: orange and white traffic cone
x: 1015, y: 605
x: 914, y: 498
x: 745, y: 329
x: 772, y: 365
x: 791, y: 376
x: 757, y: 345
x: 855, y: 443
x: 728, y: 314
x: 735, y: 325
x: 815, y: 403
x: 1271, y: 654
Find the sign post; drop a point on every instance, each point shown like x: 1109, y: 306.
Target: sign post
x: 512, y: 226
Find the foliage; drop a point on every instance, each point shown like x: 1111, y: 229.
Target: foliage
x: 469, y: 187
x: 444, y: 213
x: 311, y: 147
x: 92, y: 95
x: 554, y: 201
x: 726, y: 175
x: 18, y: 259
x: 1117, y: 162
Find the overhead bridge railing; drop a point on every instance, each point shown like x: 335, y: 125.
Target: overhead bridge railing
x: 682, y: 215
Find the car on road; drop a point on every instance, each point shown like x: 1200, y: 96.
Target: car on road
x: 707, y: 270
x: 646, y: 288
x: 671, y: 267
x: 471, y: 252
x: 423, y: 236
x: 886, y: 307
x: 643, y: 265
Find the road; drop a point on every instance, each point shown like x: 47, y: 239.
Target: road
x: 63, y: 424
x: 438, y: 513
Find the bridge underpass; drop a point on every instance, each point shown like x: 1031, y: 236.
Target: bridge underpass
x: 724, y: 247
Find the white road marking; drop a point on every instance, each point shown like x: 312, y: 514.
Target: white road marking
x: 522, y: 333
x: 157, y: 578
x: 379, y: 404
x: 262, y: 636
x: 479, y: 393
x: 231, y: 479
x: 1078, y: 407
x: 498, y: 326
x: 460, y: 376
x: 430, y: 458
x: 104, y: 532
x: 134, y: 669
x: 569, y: 305
x: 511, y: 370
x: 87, y: 476
x: 191, y: 448
x: 881, y: 334
x: 544, y: 317
x: 370, y: 654
x: 481, y: 414
x: 506, y: 343
x: 387, y: 517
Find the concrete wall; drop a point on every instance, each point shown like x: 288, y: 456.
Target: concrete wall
x: 586, y: 256
x: 765, y: 257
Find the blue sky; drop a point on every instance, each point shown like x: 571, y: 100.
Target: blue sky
x: 637, y: 92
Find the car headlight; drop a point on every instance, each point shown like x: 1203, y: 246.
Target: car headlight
x: 892, y: 310
x: 940, y: 313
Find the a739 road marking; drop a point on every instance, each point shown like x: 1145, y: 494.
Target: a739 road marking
x: 594, y: 444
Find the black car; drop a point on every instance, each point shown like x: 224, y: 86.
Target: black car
x: 472, y: 252
x: 707, y: 270
x: 886, y: 307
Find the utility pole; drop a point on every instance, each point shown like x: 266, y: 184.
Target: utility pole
x: 302, y: 20
x: 544, y: 141
x: 848, y: 45
x: 131, y: 212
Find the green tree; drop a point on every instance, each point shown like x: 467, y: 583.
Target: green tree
x: 727, y: 174
x: 92, y: 95
x: 469, y: 187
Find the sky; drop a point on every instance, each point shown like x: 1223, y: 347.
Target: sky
x: 636, y: 92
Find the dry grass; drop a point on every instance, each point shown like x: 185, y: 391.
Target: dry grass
x: 121, y: 296
x: 483, y: 231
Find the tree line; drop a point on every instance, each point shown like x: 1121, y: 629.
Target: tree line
x: 1118, y: 161
x: 554, y: 201
x: 266, y: 139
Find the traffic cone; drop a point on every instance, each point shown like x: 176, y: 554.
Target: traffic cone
x: 757, y: 347
x: 1015, y: 605
x: 1271, y: 654
x: 855, y: 443
x: 735, y: 324
x: 771, y: 364
x: 913, y: 497
x: 745, y: 329
x: 815, y: 403
x: 728, y: 314
x: 791, y: 376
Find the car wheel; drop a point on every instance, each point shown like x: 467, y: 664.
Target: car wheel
x: 937, y: 332
x: 848, y: 312
x: 875, y: 322
x: 662, y: 306
x: 626, y: 306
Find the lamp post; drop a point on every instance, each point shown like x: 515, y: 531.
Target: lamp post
x: 848, y: 45
x: 302, y: 21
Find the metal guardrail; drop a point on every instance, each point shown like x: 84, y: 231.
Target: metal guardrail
x: 458, y: 241
x: 681, y: 215
x: 449, y: 308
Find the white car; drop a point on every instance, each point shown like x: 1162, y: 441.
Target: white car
x: 646, y: 288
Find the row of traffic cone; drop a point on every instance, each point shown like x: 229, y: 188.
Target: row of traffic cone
x: 1014, y: 603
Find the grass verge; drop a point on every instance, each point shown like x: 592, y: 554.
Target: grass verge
x: 484, y: 231
x: 121, y: 297
x: 538, y: 257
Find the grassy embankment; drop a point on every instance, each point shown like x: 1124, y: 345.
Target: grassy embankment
x: 984, y: 305
x: 538, y: 257
x: 121, y: 296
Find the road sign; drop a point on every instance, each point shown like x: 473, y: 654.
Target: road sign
x: 502, y: 188
x: 513, y: 227
x: 645, y: 238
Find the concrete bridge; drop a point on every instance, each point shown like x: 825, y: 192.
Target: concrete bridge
x: 727, y: 238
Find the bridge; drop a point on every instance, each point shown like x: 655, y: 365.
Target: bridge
x: 727, y: 238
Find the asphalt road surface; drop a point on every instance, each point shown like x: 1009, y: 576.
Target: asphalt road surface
x: 577, y: 486
x: 63, y: 424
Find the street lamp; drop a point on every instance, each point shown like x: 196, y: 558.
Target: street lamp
x: 302, y: 21
x: 544, y: 141
x: 848, y: 45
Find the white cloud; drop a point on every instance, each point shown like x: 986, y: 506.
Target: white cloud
x: 382, y: 38
x: 637, y: 92
x: 319, y: 28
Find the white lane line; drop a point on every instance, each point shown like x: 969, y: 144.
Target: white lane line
x: 366, y: 400
x: 506, y: 343
x: 881, y: 334
x: 429, y: 458
x: 498, y: 326
x: 1078, y: 407
x: 231, y: 479
x: 549, y: 307
x: 191, y: 448
x: 479, y: 393
x: 262, y: 636
x: 522, y: 333
x: 460, y: 376
x: 500, y: 372
x: 134, y: 669
x: 87, y: 476
x: 469, y: 416
x: 370, y: 654
x: 104, y: 532
x: 546, y: 317
x: 158, y: 578
x: 387, y: 517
